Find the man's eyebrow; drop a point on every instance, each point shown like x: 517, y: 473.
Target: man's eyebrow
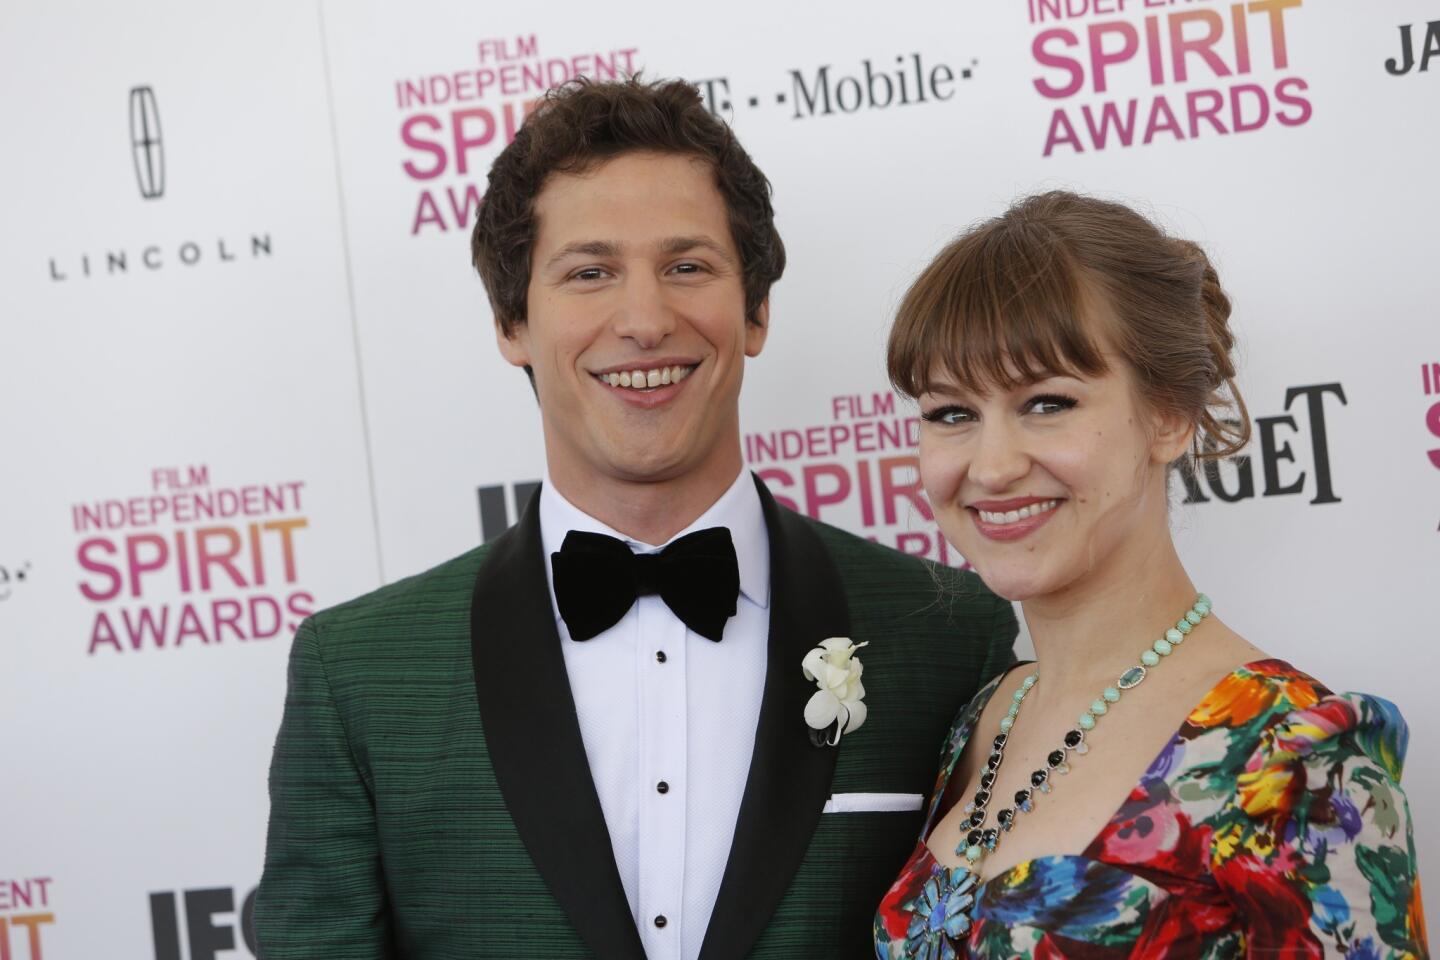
x: 585, y: 248
x: 670, y: 246
x: 674, y: 245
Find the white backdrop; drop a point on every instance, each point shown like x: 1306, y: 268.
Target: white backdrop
x: 286, y: 333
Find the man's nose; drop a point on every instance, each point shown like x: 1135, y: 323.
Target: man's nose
x: 643, y: 314
x: 1000, y: 460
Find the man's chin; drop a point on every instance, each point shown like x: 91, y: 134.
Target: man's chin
x: 647, y: 465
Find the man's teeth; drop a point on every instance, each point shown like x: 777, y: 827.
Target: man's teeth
x: 1010, y: 516
x: 646, y: 379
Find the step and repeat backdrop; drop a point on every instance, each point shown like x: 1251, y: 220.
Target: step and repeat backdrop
x: 247, y: 372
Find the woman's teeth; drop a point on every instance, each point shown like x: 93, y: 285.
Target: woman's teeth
x: 1010, y: 516
x: 647, y: 379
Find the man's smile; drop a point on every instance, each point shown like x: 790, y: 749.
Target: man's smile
x: 647, y: 376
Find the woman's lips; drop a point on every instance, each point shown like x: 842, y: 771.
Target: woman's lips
x: 1012, y: 519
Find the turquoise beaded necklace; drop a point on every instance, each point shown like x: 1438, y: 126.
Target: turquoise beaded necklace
x: 977, y: 839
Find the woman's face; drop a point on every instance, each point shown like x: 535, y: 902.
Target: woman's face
x: 1044, y: 485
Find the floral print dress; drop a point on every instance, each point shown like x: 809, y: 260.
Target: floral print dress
x: 1271, y: 824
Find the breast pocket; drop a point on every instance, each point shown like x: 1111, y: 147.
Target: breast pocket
x: 873, y: 803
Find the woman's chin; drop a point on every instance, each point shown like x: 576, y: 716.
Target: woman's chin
x: 1017, y: 586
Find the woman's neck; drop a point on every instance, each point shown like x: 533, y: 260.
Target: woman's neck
x: 1089, y: 632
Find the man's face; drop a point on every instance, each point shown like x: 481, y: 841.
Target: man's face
x: 634, y: 272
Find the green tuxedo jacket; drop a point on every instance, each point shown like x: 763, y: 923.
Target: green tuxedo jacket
x: 431, y: 798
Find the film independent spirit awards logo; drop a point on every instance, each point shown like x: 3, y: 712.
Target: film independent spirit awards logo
x: 148, y: 159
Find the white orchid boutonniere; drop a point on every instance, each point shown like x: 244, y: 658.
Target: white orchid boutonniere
x: 838, y: 707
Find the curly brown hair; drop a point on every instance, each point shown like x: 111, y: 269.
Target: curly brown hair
x: 582, y: 124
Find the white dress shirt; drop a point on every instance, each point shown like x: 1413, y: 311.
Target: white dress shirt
x: 668, y: 719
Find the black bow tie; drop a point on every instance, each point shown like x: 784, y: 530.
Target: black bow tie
x: 598, y: 578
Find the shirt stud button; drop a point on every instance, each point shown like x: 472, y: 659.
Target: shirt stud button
x: 662, y: 787
x: 660, y: 921
x: 659, y: 656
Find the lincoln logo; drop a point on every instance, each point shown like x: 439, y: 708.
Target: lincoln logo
x: 145, y: 143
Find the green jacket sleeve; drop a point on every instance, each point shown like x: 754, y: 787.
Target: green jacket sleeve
x: 323, y: 893
x: 1004, y: 629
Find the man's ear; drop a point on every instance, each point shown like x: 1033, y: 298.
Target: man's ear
x: 1171, y: 437
x: 757, y: 329
x: 515, y: 345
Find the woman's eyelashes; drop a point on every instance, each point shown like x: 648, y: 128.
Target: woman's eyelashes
x: 950, y: 414
x: 1049, y: 403
x: 1045, y: 404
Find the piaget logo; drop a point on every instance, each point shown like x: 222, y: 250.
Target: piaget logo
x: 1284, y: 471
x: 26, y: 916
x: 454, y: 122
x: 190, y: 560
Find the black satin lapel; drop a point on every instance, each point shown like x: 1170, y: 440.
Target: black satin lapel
x: 789, y: 777
x: 534, y: 740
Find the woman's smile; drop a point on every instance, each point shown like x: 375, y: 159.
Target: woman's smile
x: 1012, y: 519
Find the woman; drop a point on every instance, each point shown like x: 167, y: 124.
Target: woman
x: 1153, y: 785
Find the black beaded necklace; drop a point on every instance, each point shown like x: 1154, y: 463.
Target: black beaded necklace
x: 977, y: 839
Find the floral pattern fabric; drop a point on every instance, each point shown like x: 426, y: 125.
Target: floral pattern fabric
x: 1272, y: 823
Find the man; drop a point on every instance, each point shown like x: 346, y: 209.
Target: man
x: 569, y: 743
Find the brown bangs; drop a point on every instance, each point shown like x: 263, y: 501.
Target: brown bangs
x: 1000, y: 307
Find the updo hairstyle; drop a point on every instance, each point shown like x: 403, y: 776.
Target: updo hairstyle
x: 1005, y: 304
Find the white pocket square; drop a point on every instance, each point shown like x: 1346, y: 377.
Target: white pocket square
x: 873, y: 802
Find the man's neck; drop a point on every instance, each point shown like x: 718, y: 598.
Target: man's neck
x: 649, y: 511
